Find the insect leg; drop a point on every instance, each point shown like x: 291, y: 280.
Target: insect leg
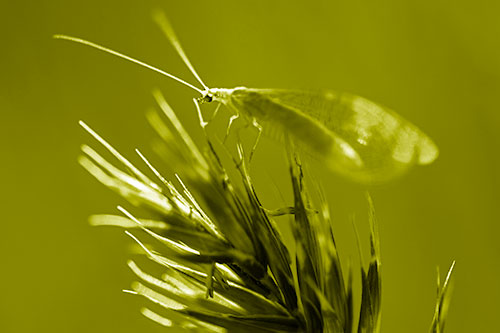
x: 259, y: 128
x: 203, y: 123
x: 215, y: 112
x: 231, y: 121
x: 286, y: 211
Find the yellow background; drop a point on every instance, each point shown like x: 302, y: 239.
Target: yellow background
x: 436, y: 63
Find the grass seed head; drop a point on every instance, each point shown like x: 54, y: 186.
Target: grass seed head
x: 225, y: 265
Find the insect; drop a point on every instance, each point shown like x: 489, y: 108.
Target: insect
x: 354, y: 137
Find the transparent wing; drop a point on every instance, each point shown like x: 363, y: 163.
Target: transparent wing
x: 386, y: 143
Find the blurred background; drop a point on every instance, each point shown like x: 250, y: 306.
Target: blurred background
x: 436, y: 63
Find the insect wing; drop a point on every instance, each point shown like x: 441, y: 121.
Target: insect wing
x: 387, y: 143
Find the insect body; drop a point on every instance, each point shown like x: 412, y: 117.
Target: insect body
x: 353, y: 136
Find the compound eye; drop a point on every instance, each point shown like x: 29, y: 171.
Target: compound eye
x: 207, y: 98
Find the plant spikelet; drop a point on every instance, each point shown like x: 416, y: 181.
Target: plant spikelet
x: 224, y: 264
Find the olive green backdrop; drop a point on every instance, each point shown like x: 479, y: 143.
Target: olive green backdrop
x: 436, y: 62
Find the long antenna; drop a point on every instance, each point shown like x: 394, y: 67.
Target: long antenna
x: 123, y: 56
x: 169, y: 32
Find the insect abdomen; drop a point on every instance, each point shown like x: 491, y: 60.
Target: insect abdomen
x: 279, y: 120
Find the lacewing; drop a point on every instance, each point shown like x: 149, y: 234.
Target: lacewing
x: 354, y: 137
